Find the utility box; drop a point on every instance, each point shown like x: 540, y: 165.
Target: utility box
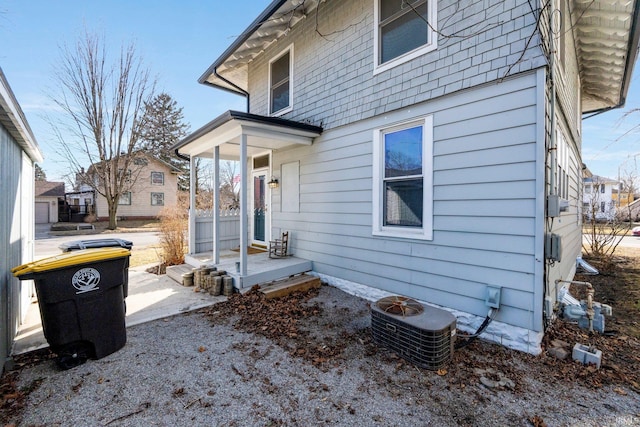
x: 81, y: 299
x: 553, y: 247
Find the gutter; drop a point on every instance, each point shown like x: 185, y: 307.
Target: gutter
x: 213, y: 68
x: 266, y: 14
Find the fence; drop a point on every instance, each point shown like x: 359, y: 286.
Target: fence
x: 229, y: 230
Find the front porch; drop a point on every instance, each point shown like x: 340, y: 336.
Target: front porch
x: 260, y: 268
x: 249, y: 139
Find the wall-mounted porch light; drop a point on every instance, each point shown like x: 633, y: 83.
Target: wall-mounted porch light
x: 273, y: 183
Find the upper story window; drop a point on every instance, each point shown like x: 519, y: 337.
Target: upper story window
x: 403, y: 180
x: 157, y: 178
x: 404, y: 30
x: 280, y: 71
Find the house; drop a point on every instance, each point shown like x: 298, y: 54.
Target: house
x: 600, y: 196
x: 423, y: 148
x: 19, y: 152
x: 48, y: 195
x: 631, y: 212
x: 152, y: 186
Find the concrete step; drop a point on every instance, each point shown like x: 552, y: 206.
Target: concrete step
x: 176, y: 271
x: 279, y: 288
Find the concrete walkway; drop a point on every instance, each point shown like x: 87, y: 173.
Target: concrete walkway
x: 150, y: 297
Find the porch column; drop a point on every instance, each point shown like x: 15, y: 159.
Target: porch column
x: 244, y: 219
x: 216, y: 204
x: 192, y: 204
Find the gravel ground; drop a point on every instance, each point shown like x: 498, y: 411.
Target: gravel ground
x: 205, y: 368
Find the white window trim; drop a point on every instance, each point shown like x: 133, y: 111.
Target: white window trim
x: 378, y: 229
x: 288, y: 49
x: 432, y: 17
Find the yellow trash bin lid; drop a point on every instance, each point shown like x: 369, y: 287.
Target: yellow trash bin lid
x: 68, y: 259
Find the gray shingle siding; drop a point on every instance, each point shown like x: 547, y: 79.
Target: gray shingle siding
x: 334, y: 83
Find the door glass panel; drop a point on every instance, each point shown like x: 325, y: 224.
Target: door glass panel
x: 259, y: 207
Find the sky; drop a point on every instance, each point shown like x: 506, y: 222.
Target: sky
x: 178, y: 41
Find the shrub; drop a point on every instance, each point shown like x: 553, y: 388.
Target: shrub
x: 173, y: 234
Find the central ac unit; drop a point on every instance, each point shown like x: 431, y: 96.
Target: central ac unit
x: 421, y: 334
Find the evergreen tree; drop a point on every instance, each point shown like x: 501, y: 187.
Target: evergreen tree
x: 40, y: 175
x: 163, y: 126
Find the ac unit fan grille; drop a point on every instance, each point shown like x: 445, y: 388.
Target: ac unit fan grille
x: 427, y: 347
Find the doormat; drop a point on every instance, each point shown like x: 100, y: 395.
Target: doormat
x: 251, y: 250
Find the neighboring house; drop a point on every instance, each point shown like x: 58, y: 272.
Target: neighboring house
x: 631, y: 212
x: 423, y: 148
x: 48, y: 196
x: 154, y: 185
x: 18, y: 154
x: 598, y: 197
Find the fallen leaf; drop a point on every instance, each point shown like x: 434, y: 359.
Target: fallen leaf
x: 202, y: 349
x: 620, y: 391
x: 442, y: 372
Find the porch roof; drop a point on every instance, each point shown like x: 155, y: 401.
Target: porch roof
x: 263, y: 133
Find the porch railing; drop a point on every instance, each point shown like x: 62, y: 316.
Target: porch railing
x: 229, y: 230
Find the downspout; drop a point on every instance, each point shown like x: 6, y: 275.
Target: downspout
x: 552, y: 142
x: 552, y: 157
x: 235, y: 86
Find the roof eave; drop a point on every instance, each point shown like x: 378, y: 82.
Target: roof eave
x: 13, y: 118
x: 632, y: 54
x: 266, y: 14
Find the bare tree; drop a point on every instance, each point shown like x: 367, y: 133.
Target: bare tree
x: 603, y: 224
x: 229, y: 197
x: 103, y: 106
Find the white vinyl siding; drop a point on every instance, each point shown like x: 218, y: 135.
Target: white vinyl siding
x: 16, y: 235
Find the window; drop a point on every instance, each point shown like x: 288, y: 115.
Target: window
x: 126, y: 176
x: 404, y: 30
x: 603, y: 206
x: 280, y: 70
x: 587, y: 188
x: 402, y: 176
x: 602, y: 188
x: 157, y: 199
x: 157, y: 178
x: 125, y: 198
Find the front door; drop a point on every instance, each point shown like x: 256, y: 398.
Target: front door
x: 259, y: 208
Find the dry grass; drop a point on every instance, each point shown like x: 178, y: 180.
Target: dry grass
x: 145, y: 256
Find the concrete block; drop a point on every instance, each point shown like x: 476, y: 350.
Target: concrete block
x: 587, y: 355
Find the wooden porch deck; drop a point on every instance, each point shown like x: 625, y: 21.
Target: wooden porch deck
x: 260, y: 268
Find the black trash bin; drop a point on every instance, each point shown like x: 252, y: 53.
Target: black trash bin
x: 77, y: 245
x: 81, y: 299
